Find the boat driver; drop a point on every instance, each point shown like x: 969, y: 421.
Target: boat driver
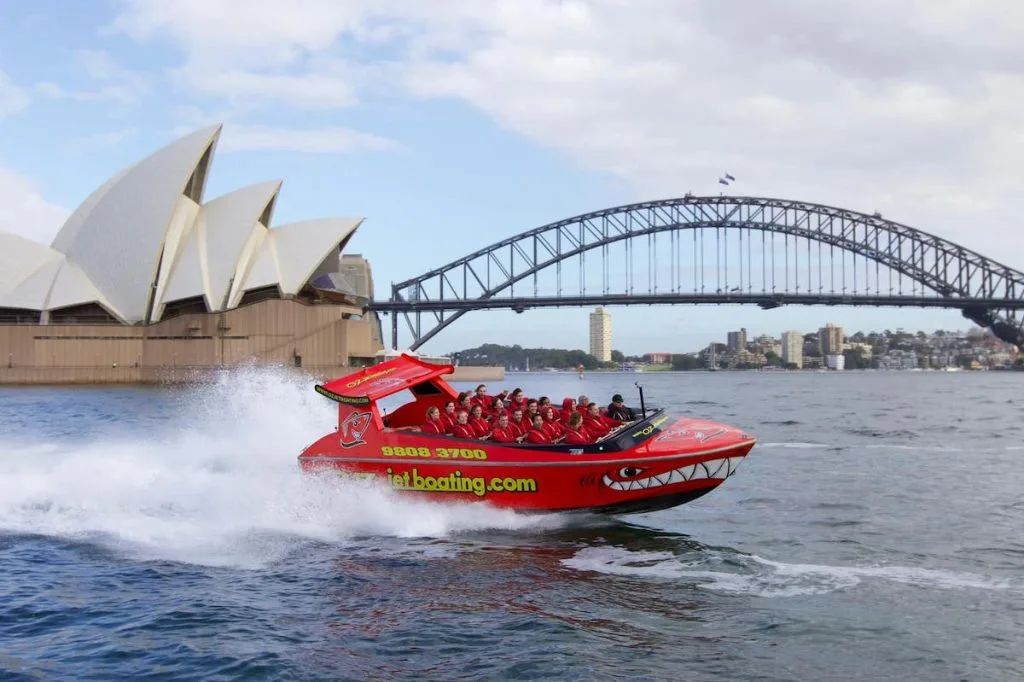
x: 618, y: 410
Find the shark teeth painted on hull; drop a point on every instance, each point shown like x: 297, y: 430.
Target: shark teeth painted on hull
x: 715, y: 468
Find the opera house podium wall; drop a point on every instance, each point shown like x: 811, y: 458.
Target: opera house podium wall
x: 147, y: 281
x: 315, y: 338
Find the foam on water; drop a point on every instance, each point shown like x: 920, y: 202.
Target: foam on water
x: 765, y: 578
x: 217, y: 485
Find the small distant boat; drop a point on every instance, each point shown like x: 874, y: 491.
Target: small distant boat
x: 579, y: 370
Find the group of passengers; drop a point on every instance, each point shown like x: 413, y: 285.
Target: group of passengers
x: 514, y: 418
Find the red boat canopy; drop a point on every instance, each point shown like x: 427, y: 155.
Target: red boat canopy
x: 380, y: 381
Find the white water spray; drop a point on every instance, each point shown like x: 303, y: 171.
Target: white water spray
x: 219, y: 485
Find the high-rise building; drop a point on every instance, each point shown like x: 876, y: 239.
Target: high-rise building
x: 737, y: 340
x: 830, y: 340
x: 601, y: 334
x: 793, y: 348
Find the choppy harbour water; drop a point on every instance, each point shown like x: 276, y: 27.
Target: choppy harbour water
x: 875, y: 532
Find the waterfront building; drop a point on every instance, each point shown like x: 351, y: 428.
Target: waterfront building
x: 737, y: 341
x: 793, y: 348
x: 658, y: 358
x: 146, y: 275
x: 898, y: 360
x: 601, y: 334
x: 837, y: 362
x: 830, y: 340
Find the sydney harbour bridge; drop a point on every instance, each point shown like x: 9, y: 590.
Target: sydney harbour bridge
x: 715, y: 250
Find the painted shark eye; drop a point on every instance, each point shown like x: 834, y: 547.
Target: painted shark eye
x: 629, y: 472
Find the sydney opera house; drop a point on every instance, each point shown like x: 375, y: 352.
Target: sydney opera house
x: 147, y: 280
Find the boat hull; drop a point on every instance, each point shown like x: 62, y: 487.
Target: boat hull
x: 652, y: 465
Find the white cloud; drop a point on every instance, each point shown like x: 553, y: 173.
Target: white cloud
x: 100, y: 141
x: 24, y: 211
x: 333, y: 139
x: 115, y: 82
x: 13, y: 99
x: 909, y: 108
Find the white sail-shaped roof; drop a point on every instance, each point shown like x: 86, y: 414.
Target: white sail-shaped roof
x: 290, y: 254
x: 145, y: 239
x: 302, y: 247
x: 118, y: 235
x: 27, y: 269
x: 73, y: 287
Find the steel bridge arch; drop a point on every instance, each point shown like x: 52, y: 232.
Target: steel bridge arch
x: 988, y: 292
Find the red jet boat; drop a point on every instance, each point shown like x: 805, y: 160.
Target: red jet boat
x: 653, y: 463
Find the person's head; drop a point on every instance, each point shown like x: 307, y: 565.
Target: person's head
x: 517, y: 395
x: 569, y: 404
x: 532, y: 406
x: 433, y: 414
x: 503, y: 420
x: 583, y: 401
x: 449, y: 407
x: 481, y: 390
x: 538, y: 421
x: 575, y: 420
x: 549, y: 413
x: 498, y: 403
x: 467, y: 401
x: 593, y: 409
x: 477, y: 411
x: 543, y: 402
x: 517, y: 414
x: 617, y: 400
x: 462, y: 417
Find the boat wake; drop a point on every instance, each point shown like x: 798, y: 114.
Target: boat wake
x: 756, y: 576
x: 218, y: 484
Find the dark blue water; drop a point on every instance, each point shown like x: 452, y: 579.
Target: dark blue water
x: 875, y: 533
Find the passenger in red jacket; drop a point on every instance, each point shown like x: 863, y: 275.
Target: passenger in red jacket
x: 517, y: 400
x: 597, y: 425
x: 433, y: 424
x: 520, y: 421
x: 575, y: 434
x: 568, y: 407
x: 537, y: 434
x: 480, y: 397
x: 504, y: 432
x: 497, y: 407
x: 481, y: 427
x: 465, y: 401
x: 551, y: 425
x: 448, y: 416
x: 462, y: 429
x: 532, y: 408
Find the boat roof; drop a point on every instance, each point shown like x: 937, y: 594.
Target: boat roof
x: 381, y: 380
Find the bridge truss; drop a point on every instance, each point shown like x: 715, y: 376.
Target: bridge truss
x: 714, y: 250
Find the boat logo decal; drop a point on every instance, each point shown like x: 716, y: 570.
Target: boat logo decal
x: 369, y: 377
x: 649, y: 429
x: 353, y: 428
x: 344, y: 399
x: 682, y: 434
x: 636, y: 478
x: 386, y: 382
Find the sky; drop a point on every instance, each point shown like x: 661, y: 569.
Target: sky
x: 453, y: 124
